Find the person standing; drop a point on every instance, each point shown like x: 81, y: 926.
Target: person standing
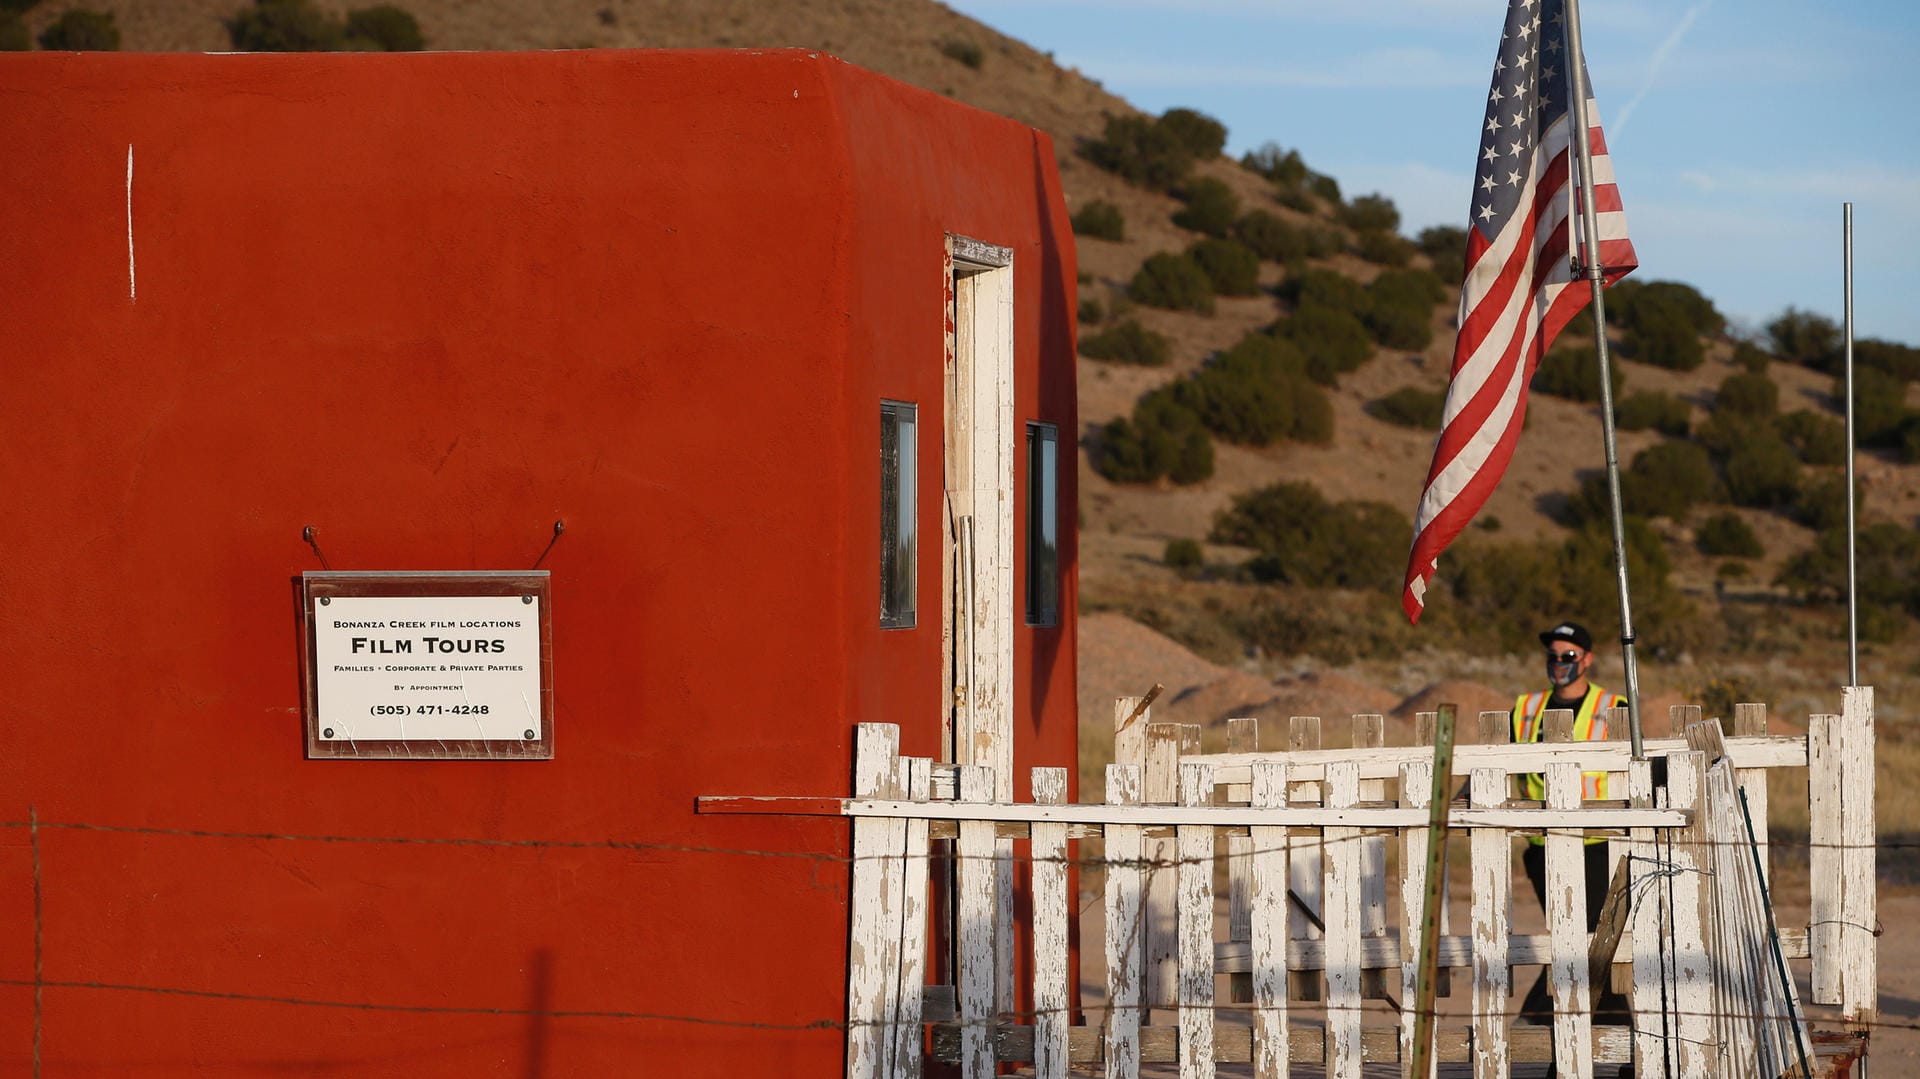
x: 1569, y: 657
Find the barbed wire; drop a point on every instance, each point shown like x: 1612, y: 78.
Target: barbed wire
x: 1295, y: 844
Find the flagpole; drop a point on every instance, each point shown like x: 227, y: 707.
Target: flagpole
x: 1590, y: 266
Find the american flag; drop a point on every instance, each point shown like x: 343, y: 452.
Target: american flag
x: 1520, y: 289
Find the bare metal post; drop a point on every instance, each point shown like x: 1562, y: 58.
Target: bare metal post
x: 1595, y: 273
x: 1853, y: 594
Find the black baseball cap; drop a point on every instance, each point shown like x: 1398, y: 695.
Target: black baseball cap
x: 1569, y: 631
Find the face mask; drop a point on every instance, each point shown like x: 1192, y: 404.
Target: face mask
x: 1562, y: 674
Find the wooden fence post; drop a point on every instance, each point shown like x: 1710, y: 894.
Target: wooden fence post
x: 1693, y: 971
x: 1243, y: 736
x: 1195, y: 999
x: 1826, y: 779
x: 1125, y: 966
x: 1859, y: 906
x: 1567, y: 926
x: 1652, y: 986
x: 1492, y: 919
x: 1370, y: 732
x: 1271, y: 1053
x: 1050, y: 947
x: 977, y: 932
x: 873, y: 962
x: 1341, y: 911
x: 1303, y: 863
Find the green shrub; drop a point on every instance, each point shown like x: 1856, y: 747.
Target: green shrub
x: 1305, y: 539
x: 80, y: 30
x: 1277, y: 165
x: 1231, y: 265
x: 1807, y: 339
x: 1210, y: 209
x: 1383, y: 248
x: 1370, y: 213
x: 285, y: 26
x: 1296, y: 198
x: 1270, y: 237
x: 1325, y: 288
x: 1816, y: 438
x: 1752, y: 396
x: 1751, y: 358
x: 1161, y: 439
x: 387, y: 28
x: 1659, y: 332
x: 1141, y: 151
x: 1400, y: 308
x: 1250, y: 394
x: 1090, y: 311
x: 1183, y: 554
x: 966, y: 52
x: 1823, y: 504
x: 1322, y: 242
x: 1202, y: 135
x: 1573, y: 373
x: 1579, y: 327
x: 1631, y: 301
x: 1662, y: 412
x: 1667, y: 479
x: 1331, y: 340
x: 1909, y: 448
x: 1101, y: 220
x: 1410, y: 406
x: 1900, y: 361
x: 1175, y: 282
x: 13, y: 33
x: 1888, y: 564
x: 1761, y: 471
x: 1879, y: 405
x: 1325, y: 188
x: 1446, y: 245
x: 1727, y: 535
x: 1128, y: 342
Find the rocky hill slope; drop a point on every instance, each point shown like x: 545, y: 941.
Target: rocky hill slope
x: 1232, y: 639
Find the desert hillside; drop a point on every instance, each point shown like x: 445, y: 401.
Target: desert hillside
x: 1257, y: 615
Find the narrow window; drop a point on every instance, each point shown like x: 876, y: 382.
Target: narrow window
x: 1043, y: 524
x: 898, y: 536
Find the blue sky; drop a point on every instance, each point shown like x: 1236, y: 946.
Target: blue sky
x: 1737, y: 127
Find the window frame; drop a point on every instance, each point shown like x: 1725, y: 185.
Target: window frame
x: 1042, y: 577
x: 899, y: 574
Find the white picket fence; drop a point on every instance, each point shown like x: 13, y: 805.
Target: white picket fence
x: 1304, y: 835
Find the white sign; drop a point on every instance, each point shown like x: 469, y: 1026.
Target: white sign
x: 427, y: 668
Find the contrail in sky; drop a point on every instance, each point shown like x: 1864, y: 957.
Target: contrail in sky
x: 1659, y: 61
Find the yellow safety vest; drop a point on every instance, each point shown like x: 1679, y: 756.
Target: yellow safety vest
x: 1589, y: 725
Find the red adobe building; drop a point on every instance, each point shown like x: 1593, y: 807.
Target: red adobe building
x: 741, y: 319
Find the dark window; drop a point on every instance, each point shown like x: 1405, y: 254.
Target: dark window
x: 1043, y: 524
x: 898, y: 536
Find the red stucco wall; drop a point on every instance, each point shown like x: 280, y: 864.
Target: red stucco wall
x: 429, y: 305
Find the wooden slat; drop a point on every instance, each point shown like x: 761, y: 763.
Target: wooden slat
x: 1825, y: 881
x: 1567, y: 924
x: 1268, y: 927
x: 1750, y: 721
x: 1768, y: 751
x: 873, y: 961
x: 1370, y: 734
x: 1303, y: 856
x: 916, y: 783
x: 1496, y: 729
x: 1859, y: 907
x: 975, y: 914
x: 1364, y: 817
x: 1343, y: 904
x: 1050, y: 946
x: 1195, y: 989
x: 1456, y: 951
x: 1243, y: 736
x: 1416, y: 792
x: 1125, y: 963
x: 1162, y: 787
x: 1693, y: 972
x: 1652, y: 1000
x: 1492, y: 917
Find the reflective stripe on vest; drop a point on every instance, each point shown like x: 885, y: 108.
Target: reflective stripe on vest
x: 1589, y: 725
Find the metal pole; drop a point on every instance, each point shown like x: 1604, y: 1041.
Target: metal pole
x: 1853, y: 595
x: 1421, y: 1059
x: 1595, y: 274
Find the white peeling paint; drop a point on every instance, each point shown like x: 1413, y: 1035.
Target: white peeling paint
x: 131, y: 291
